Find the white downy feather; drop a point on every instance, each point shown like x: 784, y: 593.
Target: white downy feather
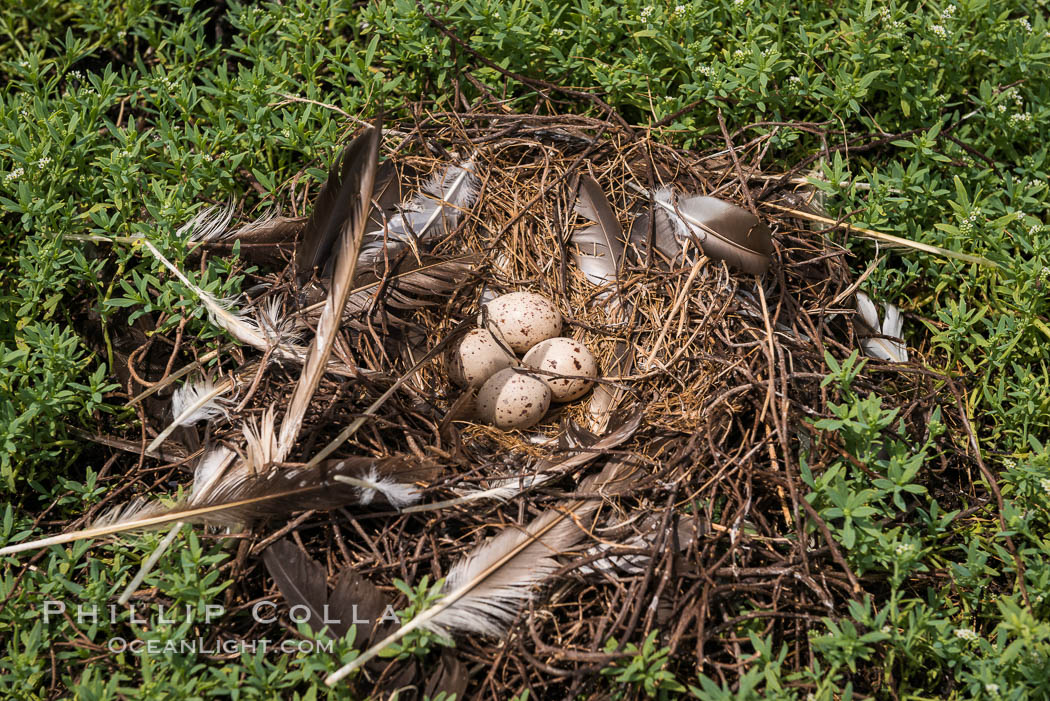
x: 430, y: 213
x: 890, y: 349
x: 191, y: 403
x: 260, y: 439
x: 665, y: 197
x: 199, y: 401
x: 398, y: 494
x: 208, y: 225
x: 210, y: 469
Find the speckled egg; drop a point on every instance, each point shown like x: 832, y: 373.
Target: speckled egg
x: 522, y: 319
x: 476, y: 358
x: 564, y: 356
x: 513, y: 399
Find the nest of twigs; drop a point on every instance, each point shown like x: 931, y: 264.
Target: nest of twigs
x: 712, y: 541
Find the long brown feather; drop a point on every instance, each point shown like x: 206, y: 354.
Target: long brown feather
x: 247, y: 498
x: 338, y: 198
x: 358, y: 177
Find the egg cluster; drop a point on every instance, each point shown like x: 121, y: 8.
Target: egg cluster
x: 486, y: 359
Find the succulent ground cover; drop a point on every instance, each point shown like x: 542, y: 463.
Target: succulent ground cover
x: 821, y: 523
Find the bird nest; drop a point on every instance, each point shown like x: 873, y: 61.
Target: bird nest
x: 712, y: 378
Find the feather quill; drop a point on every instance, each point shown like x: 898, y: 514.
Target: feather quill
x: 357, y: 177
x: 435, y: 211
x: 723, y: 231
x: 881, y: 341
x: 340, y: 200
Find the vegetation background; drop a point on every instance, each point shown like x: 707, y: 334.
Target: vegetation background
x: 927, y: 120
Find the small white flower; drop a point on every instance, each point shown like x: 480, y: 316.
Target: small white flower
x: 704, y: 70
x: 904, y: 549
x: 1045, y: 483
x: 208, y: 158
x: 647, y: 12
x: 1025, y: 24
x: 558, y: 31
x: 948, y: 12
x: 15, y: 174
x: 966, y: 634
x: 939, y: 31
x: 992, y: 689
x: 795, y: 80
x: 43, y: 162
x: 679, y: 11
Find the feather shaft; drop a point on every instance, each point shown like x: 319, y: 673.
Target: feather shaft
x: 150, y: 563
x: 887, y: 238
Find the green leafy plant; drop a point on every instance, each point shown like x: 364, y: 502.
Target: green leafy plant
x: 643, y: 667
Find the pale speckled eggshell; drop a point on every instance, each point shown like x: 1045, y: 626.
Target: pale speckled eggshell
x: 476, y: 358
x: 523, y: 319
x: 564, y: 356
x: 512, y: 399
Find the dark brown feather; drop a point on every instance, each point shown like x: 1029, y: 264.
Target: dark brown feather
x: 300, y: 580
x: 354, y: 598
x: 450, y: 678
x: 333, y: 205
